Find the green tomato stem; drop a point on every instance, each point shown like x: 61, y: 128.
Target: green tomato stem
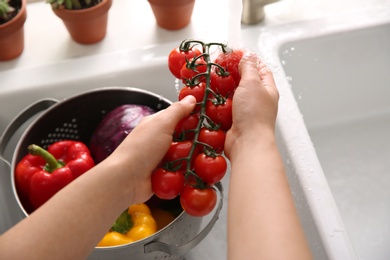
x: 185, y: 45
x: 203, y: 118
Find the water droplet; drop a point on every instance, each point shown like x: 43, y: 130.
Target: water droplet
x: 283, y: 62
x: 292, y: 48
x: 177, y: 85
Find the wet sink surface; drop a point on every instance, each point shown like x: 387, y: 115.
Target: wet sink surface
x: 341, y: 84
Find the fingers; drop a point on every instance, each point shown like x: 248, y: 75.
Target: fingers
x: 254, y: 72
x: 267, y: 78
x: 249, y: 69
x: 174, y: 113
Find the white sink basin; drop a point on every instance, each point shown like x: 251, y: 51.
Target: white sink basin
x: 333, y: 75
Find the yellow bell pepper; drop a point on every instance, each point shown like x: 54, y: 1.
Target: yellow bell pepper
x: 113, y: 238
x: 135, y: 223
x: 162, y: 217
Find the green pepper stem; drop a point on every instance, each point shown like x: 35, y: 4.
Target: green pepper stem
x: 123, y: 223
x: 51, y: 162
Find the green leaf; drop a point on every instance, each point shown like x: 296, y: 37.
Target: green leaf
x: 76, y: 4
x: 123, y: 223
x: 68, y: 4
x: 5, y: 9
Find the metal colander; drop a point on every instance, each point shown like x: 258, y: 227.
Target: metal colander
x: 76, y: 118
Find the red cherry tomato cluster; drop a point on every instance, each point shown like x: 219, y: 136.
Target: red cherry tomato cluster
x: 195, y: 161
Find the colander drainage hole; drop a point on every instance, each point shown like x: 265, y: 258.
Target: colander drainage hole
x: 68, y: 131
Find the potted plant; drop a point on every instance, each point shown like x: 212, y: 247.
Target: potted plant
x: 172, y: 14
x: 86, y: 20
x: 12, y: 18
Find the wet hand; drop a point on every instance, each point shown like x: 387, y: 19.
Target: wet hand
x: 255, y: 102
x: 142, y: 150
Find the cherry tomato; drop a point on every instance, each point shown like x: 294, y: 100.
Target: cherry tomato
x: 197, y: 91
x: 230, y: 61
x: 177, y: 58
x: 184, y: 127
x: 220, y: 113
x: 210, y: 169
x: 179, y: 150
x: 223, y: 85
x: 198, y: 202
x: 167, y: 184
x: 193, y: 68
x: 214, y: 138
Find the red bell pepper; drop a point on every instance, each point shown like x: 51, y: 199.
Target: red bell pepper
x: 41, y: 174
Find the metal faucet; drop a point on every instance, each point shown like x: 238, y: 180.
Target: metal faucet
x: 253, y: 10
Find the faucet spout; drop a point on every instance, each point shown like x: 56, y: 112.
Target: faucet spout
x: 253, y: 10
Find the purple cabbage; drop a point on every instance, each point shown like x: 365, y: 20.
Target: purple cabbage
x: 114, y: 128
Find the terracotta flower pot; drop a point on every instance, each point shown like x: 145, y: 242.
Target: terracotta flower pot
x: 172, y: 14
x: 12, y: 35
x: 86, y: 26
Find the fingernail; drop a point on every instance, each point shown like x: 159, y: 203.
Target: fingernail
x: 189, y: 100
x: 264, y: 70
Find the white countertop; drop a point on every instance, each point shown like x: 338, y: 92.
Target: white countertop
x: 132, y: 26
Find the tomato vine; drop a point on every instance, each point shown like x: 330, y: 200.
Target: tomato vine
x: 195, y: 150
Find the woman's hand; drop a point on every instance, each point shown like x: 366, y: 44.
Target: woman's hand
x: 146, y: 145
x: 258, y: 181
x: 255, y: 103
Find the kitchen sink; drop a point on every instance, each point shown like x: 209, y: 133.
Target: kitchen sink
x: 334, y: 125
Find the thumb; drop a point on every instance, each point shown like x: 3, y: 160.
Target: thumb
x: 182, y: 108
x: 175, y: 112
x: 268, y: 79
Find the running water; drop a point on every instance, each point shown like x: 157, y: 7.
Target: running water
x: 234, y: 29
x: 177, y: 86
